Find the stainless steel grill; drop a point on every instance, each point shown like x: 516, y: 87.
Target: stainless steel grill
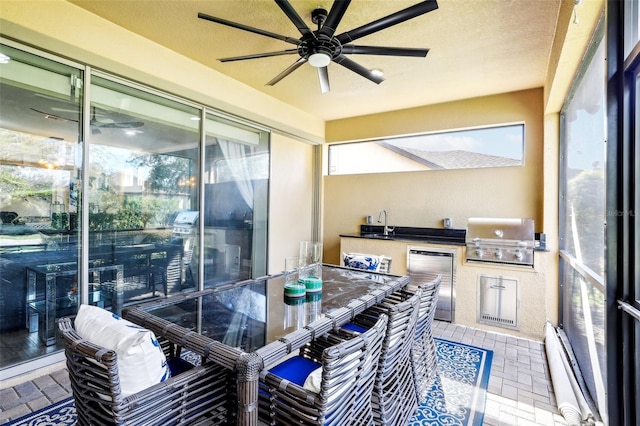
x: 185, y: 224
x: 499, y: 240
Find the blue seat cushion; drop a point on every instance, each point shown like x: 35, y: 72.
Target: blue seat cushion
x: 295, y: 369
x: 178, y: 365
x: 354, y: 327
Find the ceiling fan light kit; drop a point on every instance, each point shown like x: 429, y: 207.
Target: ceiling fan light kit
x: 319, y: 59
x: 321, y: 47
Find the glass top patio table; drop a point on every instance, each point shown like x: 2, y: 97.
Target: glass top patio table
x: 257, y: 327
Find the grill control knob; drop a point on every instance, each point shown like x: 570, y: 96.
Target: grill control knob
x: 499, y: 254
x: 519, y: 255
x: 479, y: 252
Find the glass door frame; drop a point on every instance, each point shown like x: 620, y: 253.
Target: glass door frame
x: 623, y: 222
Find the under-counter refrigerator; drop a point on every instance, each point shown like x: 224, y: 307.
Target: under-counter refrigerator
x: 425, y: 264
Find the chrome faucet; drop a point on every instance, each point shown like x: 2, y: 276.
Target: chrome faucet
x: 387, y: 229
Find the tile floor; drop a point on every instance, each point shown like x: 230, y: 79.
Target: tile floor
x: 519, y: 393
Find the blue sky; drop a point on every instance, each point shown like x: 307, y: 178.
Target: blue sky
x: 504, y: 141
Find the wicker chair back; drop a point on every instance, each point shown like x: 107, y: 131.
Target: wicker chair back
x: 394, y: 397
x: 187, y: 398
x: 423, y: 352
x: 344, y: 397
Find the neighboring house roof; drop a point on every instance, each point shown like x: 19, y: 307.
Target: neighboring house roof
x: 455, y: 159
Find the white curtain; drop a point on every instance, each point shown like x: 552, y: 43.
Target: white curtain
x: 236, y: 161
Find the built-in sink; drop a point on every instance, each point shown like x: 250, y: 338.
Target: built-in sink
x: 376, y: 235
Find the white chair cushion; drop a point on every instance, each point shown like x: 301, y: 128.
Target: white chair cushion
x: 367, y: 262
x: 313, y: 380
x: 141, y: 362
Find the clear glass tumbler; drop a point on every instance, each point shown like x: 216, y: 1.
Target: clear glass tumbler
x: 311, y: 266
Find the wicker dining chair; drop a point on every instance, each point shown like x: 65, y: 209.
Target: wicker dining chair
x: 197, y: 395
x: 423, y: 351
x: 343, y: 396
x: 394, y: 398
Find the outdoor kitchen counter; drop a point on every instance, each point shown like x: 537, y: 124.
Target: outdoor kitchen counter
x: 536, y: 300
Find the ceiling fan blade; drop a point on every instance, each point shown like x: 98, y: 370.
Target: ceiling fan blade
x: 248, y: 28
x: 259, y: 55
x: 388, y: 21
x: 323, y: 78
x: 357, y: 68
x: 53, y: 116
x: 294, y: 17
x: 287, y: 71
x: 335, y: 16
x: 350, y: 49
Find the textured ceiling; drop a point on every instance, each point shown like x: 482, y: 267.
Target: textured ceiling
x: 477, y: 47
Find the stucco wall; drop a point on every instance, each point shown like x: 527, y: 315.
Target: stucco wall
x: 290, y: 199
x: 423, y: 199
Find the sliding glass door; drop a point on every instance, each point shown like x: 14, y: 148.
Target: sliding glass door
x: 236, y: 177
x: 102, y: 182
x: 40, y: 170
x: 142, y: 178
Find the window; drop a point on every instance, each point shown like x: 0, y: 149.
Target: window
x: 582, y: 220
x: 501, y: 146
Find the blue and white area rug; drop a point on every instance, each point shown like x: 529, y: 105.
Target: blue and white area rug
x: 457, y: 397
x: 459, y: 393
x: 60, y: 413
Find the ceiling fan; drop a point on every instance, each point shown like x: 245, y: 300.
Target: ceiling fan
x: 95, y: 124
x: 323, y: 46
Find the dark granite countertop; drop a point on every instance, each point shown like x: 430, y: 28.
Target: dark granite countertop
x: 455, y: 237
x: 404, y: 233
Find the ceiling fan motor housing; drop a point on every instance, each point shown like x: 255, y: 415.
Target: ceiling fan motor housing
x: 322, y: 44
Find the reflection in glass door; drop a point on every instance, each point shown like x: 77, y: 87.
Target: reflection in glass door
x: 132, y: 157
x: 236, y: 177
x: 143, y: 192
x: 40, y: 116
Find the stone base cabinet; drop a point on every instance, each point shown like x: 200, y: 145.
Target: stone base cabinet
x: 537, y: 301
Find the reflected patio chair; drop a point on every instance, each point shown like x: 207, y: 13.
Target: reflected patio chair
x: 330, y: 382
x: 394, y: 398
x: 191, y: 395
